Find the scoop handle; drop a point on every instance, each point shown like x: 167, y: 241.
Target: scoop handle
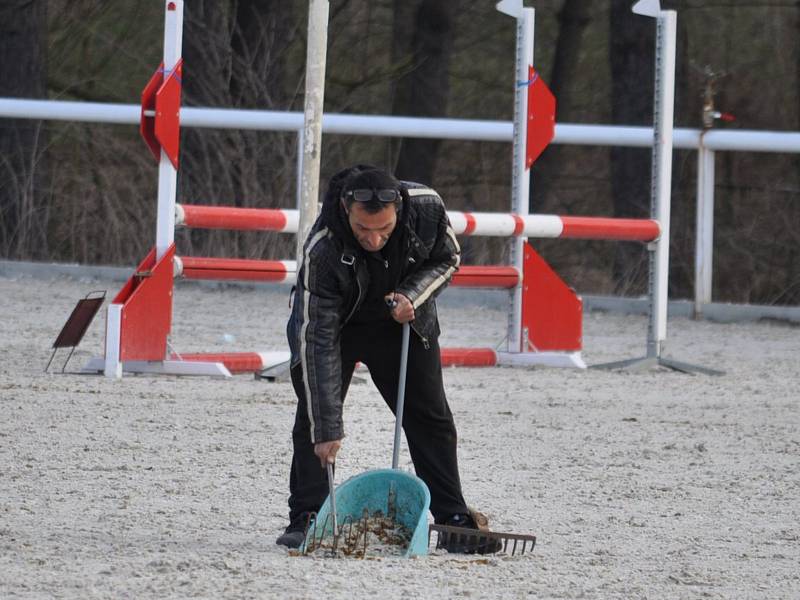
x: 401, y: 395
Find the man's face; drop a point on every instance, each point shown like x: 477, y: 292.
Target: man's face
x: 372, y: 230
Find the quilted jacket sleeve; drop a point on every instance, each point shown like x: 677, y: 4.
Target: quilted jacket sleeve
x: 442, y: 258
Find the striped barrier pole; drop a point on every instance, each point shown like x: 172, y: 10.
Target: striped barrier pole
x: 285, y: 271
x: 463, y: 223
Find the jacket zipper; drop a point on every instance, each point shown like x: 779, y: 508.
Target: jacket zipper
x: 425, y: 343
x: 358, y: 297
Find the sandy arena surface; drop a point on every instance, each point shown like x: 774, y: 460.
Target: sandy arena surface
x: 648, y: 484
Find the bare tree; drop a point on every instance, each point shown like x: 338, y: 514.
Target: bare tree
x: 573, y: 19
x: 23, y: 68
x: 233, y: 55
x: 631, y: 55
x: 424, y: 89
x: 263, y: 30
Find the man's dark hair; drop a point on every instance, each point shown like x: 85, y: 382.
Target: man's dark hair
x: 363, y: 177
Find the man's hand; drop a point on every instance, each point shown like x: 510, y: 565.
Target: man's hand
x: 402, y: 309
x: 326, y: 452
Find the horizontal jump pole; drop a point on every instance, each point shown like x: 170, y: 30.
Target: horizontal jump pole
x: 463, y: 223
x: 237, y: 219
x: 284, y: 271
x: 235, y: 362
x: 235, y: 269
x: 255, y: 362
x: 398, y: 126
x: 468, y: 357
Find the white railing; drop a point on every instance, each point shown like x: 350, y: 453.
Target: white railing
x: 707, y: 143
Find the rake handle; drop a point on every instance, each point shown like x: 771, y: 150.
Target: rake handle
x: 401, y: 395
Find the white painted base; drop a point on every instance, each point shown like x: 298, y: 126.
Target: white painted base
x: 111, y: 366
x: 274, y: 358
x: 165, y: 367
x: 275, y: 364
x: 546, y: 359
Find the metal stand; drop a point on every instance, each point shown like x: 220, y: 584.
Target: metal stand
x: 75, y: 328
x: 660, y: 195
x: 646, y: 362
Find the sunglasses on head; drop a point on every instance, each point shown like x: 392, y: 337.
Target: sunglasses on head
x: 365, y: 195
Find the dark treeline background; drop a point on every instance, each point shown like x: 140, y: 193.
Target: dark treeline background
x: 86, y: 192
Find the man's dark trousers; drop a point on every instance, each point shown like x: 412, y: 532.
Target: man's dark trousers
x: 427, y: 420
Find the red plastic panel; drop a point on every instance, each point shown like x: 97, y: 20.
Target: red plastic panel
x: 468, y: 357
x: 229, y: 217
x: 551, y: 310
x: 168, y: 110
x: 147, y: 309
x: 541, y: 117
x: 147, y: 124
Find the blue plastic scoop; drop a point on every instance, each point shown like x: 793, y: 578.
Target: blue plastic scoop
x: 392, y: 492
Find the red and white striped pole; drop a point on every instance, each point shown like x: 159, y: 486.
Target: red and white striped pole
x: 463, y: 223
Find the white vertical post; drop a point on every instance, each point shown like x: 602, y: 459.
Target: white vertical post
x: 520, y: 190
x: 167, y: 175
x: 298, y: 195
x: 167, y: 186
x: 113, y: 366
x: 662, y: 177
x: 312, y: 119
x: 704, y: 243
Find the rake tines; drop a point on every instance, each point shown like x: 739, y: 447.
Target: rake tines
x: 475, y: 541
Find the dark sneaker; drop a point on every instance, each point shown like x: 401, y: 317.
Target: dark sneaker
x: 292, y: 538
x: 466, y: 543
x: 295, y: 533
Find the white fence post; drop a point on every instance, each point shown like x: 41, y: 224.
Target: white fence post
x: 167, y: 175
x: 704, y: 244
x: 312, y: 122
x: 662, y: 178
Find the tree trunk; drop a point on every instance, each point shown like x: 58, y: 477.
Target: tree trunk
x: 573, y: 19
x: 23, y: 68
x: 235, y: 56
x: 206, y: 53
x: 631, y: 39
x: 423, y: 91
x: 262, y: 32
x: 206, y: 172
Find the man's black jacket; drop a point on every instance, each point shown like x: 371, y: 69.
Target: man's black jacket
x: 333, y: 279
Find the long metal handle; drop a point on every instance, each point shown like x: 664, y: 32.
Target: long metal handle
x: 332, y: 490
x: 401, y: 395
